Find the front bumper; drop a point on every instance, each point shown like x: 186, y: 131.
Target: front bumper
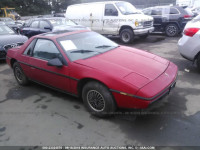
x: 150, y: 93
x: 143, y: 31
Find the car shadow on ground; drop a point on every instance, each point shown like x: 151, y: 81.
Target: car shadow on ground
x: 150, y: 39
x: 2, y: 62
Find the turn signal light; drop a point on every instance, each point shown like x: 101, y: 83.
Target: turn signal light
x: 191, y: 31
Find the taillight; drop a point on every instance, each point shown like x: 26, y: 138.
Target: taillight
x: 21, y: 30
x: 191, y: 31
x: 187, y: 16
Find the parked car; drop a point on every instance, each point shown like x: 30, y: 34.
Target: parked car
x: 42, y: 25
x: 88, y: 65
x: 11, y: 23
x: 9, y: 39
x: 189, y: 45
x: 59, y: 14
x: 2, y: 23
x: 169, y: 19
x: 116, y: 18
x: 196, y: 11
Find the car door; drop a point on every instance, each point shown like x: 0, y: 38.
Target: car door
x: 32, y: 29
x: 156, y: 13
x: 24, y: 58
x: 45, y: 26
x: 110, y: 20
x: 56, y: 77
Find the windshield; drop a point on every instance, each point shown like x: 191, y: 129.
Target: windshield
x: 8, y: 21
x: 62, y: 21
x: 12, y: 11
x: 127, y: 8
x: 6, y: 30
x: 85, y: 45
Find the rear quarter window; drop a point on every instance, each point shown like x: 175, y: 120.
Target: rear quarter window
x: 174, y: 11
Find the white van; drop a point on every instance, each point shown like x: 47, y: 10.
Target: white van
x: 112, y: 18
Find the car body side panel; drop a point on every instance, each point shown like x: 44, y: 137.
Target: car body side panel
x: 49, y: 75
x: 81, y: 72
x: 189, y: 47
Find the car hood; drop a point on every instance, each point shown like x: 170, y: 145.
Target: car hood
x: 11, y: 39
x: 68, y: 27
x: 132, y: 65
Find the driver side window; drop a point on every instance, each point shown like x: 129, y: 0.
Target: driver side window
x: 156, y: 12
x: 46, y: 50
x: 44, y: 24
x: 110, y: 10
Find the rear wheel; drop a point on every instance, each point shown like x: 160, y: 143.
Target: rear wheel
x: 127, y: 36
x: 98, y: 99
x: 19, y: 74
x: 171, y: 30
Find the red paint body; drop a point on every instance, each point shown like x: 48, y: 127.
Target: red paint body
x: 124, y: 69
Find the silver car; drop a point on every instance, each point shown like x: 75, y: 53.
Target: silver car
x: 189, y: 44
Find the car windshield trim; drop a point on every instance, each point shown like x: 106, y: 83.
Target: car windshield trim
x: 127, y: 8
x: 4, y: 30
x: 85, y: 45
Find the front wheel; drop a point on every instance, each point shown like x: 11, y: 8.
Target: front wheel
x: 171, y: 30
x: 19, y: 74
x: 127, y: 36
x: 98, y: 99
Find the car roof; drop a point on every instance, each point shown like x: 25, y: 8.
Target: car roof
x: 55, y: 35
x: 102, y: 2
x: 2, y: 23
x: 49, y: 18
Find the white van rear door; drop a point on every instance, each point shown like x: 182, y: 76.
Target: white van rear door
x: 95, y: 16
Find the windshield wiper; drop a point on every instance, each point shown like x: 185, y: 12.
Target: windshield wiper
x: 103, y: 46
x: 84, y: 51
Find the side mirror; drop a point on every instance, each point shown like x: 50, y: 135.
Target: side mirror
x: 55, y: 62
x: 48, y: 28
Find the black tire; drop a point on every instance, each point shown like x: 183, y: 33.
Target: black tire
x: 98, y: 99
x: 127, y: 36
x: 198, y: 62
x: 19, y: 74
x: 171, y: 30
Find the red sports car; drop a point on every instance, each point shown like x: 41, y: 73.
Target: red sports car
x: 88, y: 65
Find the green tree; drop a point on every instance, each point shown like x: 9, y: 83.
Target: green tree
x: 27, y: 7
